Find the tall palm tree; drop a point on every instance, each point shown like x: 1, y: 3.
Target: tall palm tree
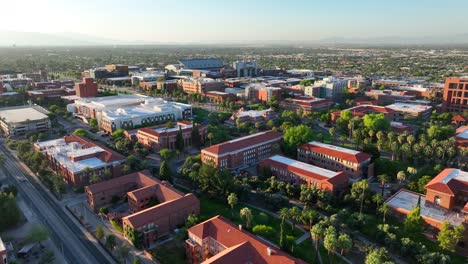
x: 384, y: 209
x: 317, y: 233
x: 383, y: 178
x: 295, y: 215
x: 401, y: 176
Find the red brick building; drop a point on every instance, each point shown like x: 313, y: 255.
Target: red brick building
x: 242, y: 152
x: 159, y: 137
x: 155, y: 206
x: 446, y: 199
x: 78, y: 158
x: 355, y: 163
x: 461, y: 136
x: 215, y: 96
x: 217, y: 240
x: 148, y: 85
x: 362, y: 110
x: 200, y: 85
x: 306, y: 104
x: 455, y: 99
x: 296, y: 172
x: 264, y: 94
x: 88, y: 88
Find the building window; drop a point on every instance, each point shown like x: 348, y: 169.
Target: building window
x: 437, y: 200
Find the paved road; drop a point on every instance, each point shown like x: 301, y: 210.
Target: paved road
x: 64, y: 232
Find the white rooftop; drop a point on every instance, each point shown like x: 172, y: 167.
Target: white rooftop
x: 405, y: 107
x: 253, y: 113
x: 148, y: 108
x: 463, y: 134
x: 246, y: 137
x: 17, y: 115
x: 62, y: 152
x: 407, y: 201
x: 168, y: 130
x: 328, y: 146
x: 100, y: 103
x: 304, y: 166
x: 455, y: 174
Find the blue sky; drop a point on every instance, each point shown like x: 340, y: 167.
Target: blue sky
x: 239, y: 20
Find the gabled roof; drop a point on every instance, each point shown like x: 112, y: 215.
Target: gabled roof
x: 243, y: 142
x: 241, y: 246
x: 335, y: 151
x: 449, y: 181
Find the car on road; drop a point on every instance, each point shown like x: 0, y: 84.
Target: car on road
x: 21, y: 179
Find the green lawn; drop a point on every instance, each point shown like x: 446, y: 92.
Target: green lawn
x: 305, y: 250
x: 116, y: 226
x: 170, y: 253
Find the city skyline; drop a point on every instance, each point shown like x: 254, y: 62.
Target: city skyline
x: 207, y: 21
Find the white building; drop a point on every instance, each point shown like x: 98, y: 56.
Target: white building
x: 331, y: 88
x: 20, y: 120
x: 147, y: 76
x: 245, y: 68
x: 412, y: 110
x: 152, y: 111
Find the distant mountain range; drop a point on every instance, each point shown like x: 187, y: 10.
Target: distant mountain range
x: 10, y: 38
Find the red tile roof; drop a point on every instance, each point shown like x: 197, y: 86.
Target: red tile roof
x: 459, y: 118
x: 139, y: 179
x: 241, y: 246
x: 336, y: 152
x: 448, y: 182
x: 339, y: 177
x: 161, y: 210
x: 244, y: 142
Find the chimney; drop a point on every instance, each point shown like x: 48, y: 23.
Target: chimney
x: 269, y: 251
x: 240, y: 227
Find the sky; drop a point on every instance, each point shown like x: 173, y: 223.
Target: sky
x: 222, y: 21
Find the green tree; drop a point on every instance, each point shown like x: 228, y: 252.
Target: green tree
x: 378, y: 256
x: 191, y: 220
x: 94, y: 178
x: 414, y: 222
x: 80, y: 132
x: 99, y: 232
x: 295, y: 215
x: 165, y: 172
x: 232, y: 200
x: 122, y: 252
x: 401, y: 176
x: 384, y: 209
x: 283, y: 213
x: 180, y: 145
x: 295, y: 136
x: 308, y: 217
x: 344, y: 243
x: 38, y: 234
x: 10, y: 211
x: 166, y: 154
x: 317, y: 232
x: 449, y: 237
x: 330, y: 240
x: 376, y: 122
x: 383, y: 179
x: 111, y: 241
x: 93, y: 123
x: 246, y: 213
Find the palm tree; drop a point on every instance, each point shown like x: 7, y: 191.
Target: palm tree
x: 394, y: 147
x: 210, y: 137
x: 384, y: 210
x: 377, y: 199
x: 317, y: 233
x: 247, y: 214
x: 330, y: 241
x: 308, y: 216
x: 401, y: 176
x: 380, y: 135
x: 283, y: 213
x: 364, y: 185
x: 371, y: 134
x: 410, y: 139
x: 295, y: 215
x: 412, y: 171
x: 344, y: 243
x: 383, y: 178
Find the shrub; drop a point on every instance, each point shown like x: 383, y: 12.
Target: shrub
x: 263, y: 230
x: 104, y: 210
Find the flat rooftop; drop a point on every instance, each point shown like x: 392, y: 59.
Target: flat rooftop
x: 406, y: 200
x: 120, y: 100
x: 148, y: 108
x: 405, y: 107
x: 340, y: 149
x: 304, y: 166
x: 22, y: 114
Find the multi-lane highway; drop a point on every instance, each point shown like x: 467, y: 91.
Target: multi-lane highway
x: 64, y: 232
